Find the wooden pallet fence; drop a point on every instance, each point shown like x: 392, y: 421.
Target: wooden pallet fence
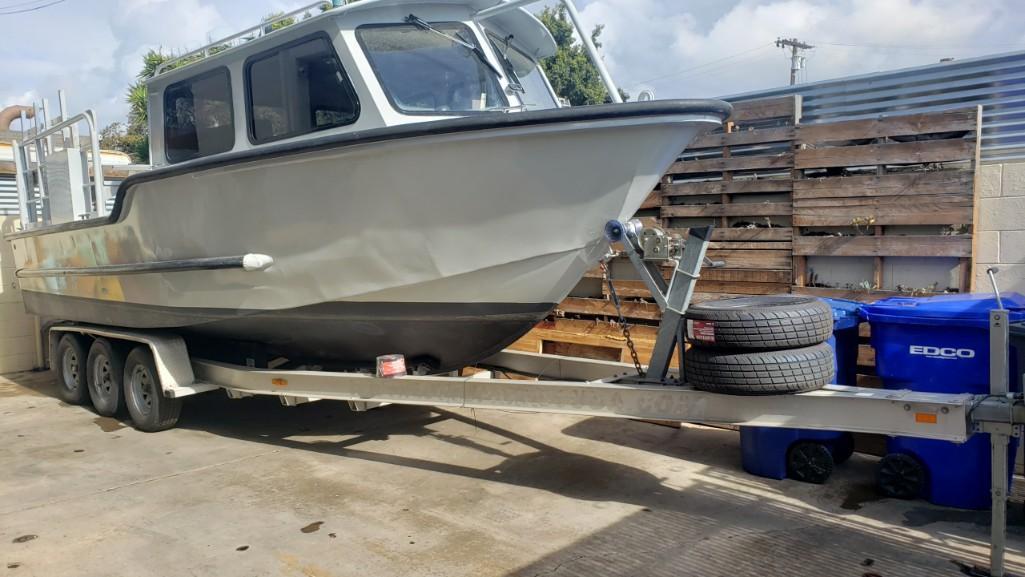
x: 782, y: 194
x: 740, y: 180
x: 885, y: 188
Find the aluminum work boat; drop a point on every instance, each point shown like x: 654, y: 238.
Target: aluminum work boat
x: 379, y: 177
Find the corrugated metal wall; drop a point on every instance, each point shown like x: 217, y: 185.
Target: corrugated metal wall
x: 996, y: 82
x: 9, y: 194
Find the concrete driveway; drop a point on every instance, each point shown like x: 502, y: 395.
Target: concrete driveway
x: 251, y: 488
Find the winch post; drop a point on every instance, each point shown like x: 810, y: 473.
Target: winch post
x: 999, y: 437
x: 673, y: 299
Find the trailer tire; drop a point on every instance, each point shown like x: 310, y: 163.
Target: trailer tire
x: 69, y: 366
x: 760, y: 323
x: 105, y: 371
x: 759, y: 373
x: 150, y: 410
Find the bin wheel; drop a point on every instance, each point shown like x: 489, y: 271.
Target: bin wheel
x: 104, y: 374
x: 843, y: 449
x: 69, y: 366
x: 150, y: 410
x: 809, y: 462
x: 900, y: 476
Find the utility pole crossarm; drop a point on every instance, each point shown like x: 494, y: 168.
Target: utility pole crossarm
x: 796, y: 60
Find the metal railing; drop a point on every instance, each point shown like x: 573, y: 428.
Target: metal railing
x: 30, y: 175
x: 237, y: 39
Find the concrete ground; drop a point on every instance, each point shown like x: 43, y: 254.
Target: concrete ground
x: 251, y: 488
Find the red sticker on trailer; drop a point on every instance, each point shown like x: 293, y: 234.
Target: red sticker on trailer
x: 701, y: 331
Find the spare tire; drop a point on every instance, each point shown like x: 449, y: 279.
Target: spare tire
x: 762, y: 323
x: 759, y: 373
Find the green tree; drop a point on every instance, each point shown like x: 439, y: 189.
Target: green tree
x: 571, y: 72
x: 116, y: 136
x: 133, y: 138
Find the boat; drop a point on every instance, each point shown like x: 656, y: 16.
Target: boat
x: 381, y: 177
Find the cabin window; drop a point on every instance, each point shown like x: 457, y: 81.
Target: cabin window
x: 432, y: 71
x: 198, y: 117
x: 297, y: 89
x: 525, y: 75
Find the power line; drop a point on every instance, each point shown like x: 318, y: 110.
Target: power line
x: 19, y: 4
x: 706, y: 64
x: 919, y: 47
x: 5, y: 11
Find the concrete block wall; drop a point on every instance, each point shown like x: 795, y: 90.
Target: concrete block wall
x: 1001, y: 226
x: 17, y: 329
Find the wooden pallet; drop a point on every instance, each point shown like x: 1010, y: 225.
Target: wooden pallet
x: 589, y: 339
x: 740, y: 180
x: 886, y: 187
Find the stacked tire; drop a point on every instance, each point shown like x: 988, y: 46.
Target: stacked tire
x: 763, y: 345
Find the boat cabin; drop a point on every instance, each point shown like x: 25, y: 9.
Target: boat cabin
x: 355, y: 67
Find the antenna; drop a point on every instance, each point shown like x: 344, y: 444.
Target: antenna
x: 796, y: 60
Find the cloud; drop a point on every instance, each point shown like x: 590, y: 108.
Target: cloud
x: 693, y: 48
x: 697, y: 49
x: 95, y: 49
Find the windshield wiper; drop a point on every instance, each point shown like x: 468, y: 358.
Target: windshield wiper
x: 510, y: 69
x: 458, y: 40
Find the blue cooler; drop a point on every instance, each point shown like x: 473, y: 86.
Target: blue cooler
x: 940, y: 345
x: 764, y: 450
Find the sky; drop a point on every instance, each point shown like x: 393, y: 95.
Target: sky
x: 677, y: 48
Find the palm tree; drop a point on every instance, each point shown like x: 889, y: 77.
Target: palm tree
x: 136, y: 95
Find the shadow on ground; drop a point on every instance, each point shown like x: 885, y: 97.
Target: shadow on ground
x: 721, y: 522
x: 724, y: 523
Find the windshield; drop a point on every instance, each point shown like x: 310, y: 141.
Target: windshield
x: 526, y: 76
x: 424, y: 72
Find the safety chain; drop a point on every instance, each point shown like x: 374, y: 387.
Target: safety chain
x: 622, y: 320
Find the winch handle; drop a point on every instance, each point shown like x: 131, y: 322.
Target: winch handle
x: 992, y: 272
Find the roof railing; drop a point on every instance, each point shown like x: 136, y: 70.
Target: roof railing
x: 249, y: 34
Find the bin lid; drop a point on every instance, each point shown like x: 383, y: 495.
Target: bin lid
x: 960, y: 309
x: 846, y: 314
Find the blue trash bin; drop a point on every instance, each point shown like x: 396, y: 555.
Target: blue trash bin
x: 941, y: 345
x: 764, y: 450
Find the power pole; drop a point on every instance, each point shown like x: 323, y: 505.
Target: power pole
x: 796, y: 60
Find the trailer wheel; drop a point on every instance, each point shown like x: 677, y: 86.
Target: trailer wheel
x: 69, y: 365
x: 900, y: 476
x: 759, y: 373
x: 809, y: 462
x: 760, y: 323
x: 105, y: 371
x: 150, y: 410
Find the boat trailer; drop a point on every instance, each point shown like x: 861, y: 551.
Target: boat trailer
x: 612, y: 389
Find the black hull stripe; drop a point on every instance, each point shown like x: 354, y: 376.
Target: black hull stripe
x: 211, y: 263
x: 498, y: 120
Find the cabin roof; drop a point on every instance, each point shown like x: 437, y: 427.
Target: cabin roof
x: 529, y: 31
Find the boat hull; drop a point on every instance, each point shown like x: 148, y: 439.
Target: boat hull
x: 441, y: 245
